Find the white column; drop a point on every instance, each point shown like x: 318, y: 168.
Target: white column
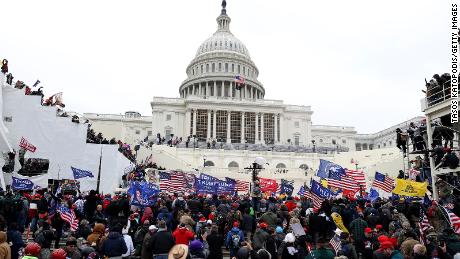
x: 276, y: 129
x: 228, y: 127
x: 207, y: 88
x: 199, y: 89
x: 222, y: 92
x: 214, y: 125
x: 208, y: 128
x: 188, y: 120
x: 242, y: 127
x: 281, y: 129
x: 262, y: 137
x: 195, y: 111
x: 257, y: 128
x: 215, y: 88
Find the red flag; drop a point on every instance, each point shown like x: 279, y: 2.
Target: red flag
x: 27, y: 145
x: 267, y: 185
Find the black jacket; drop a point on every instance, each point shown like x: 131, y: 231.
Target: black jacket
x: 161, y: 242
x: 114, y: 245
x: 215, y: 242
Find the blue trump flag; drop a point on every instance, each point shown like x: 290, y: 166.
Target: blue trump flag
x: 319, y: 190
x: 143, y: 193
x: 22, y: 184
x: 373, y: 194
x: 79, y: 173
x: 325, y: 167
x: 287, y: 187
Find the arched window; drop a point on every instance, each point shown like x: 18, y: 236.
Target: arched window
x: 213, y: 67
x: 201, y: 69
x: 320, y: 140
x: 280, y: 165
x: 233, y: 164
x: 207, y: 68
x: 304, y: 166
x: 209, y: 163
x: 233, y: 68
x: 226, y: 67
x: 239, y: 69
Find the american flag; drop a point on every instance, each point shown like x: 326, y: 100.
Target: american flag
x: 240, y: 186
x: 317, y: 201
x: 239, y: 80
x: 69, y: 216
x: 358, y: 176
x: 177, y: 182
x: 336, y: 243
x: 423, y: 225
x: 383, y: 182
x: 27, y: 145
x: 454, y: 220
x: 341, y: 181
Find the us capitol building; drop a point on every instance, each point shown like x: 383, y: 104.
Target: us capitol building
x: 211, y: 108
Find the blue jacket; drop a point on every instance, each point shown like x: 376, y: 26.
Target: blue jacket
x: 15, y: 237
x: 231, y: 233
x: 114, y: 245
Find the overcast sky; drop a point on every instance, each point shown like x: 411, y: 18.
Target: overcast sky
x: 356, y: 63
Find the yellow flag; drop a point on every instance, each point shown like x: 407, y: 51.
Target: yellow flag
x: 410, y: 188
x: 324, y: 183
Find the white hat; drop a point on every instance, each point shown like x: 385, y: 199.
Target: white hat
x: 152, y: 228
x: 209, y: 221
x: 290, y: 238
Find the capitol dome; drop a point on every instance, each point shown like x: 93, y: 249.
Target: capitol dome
x: 219, y: 60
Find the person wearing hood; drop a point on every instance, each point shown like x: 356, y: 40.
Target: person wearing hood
x: 183, y: 235
x: 198, y: 249
x: 97, y: 234
x: 339, y: 222
x: 234, y: 238
x: 5, y: 250
x: 148, y: 214
x: 114, y: 245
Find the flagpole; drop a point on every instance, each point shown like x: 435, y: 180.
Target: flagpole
x: 99, y: 171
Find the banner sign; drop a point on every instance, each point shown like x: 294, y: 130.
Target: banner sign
x: 143, y: 193
x: 225, y: 188
x: 205, y: 186
x: 22, y: 184
x: 79, y: 173
x: 319, y: 190
x: 267, y: 185
x: 410, y: 188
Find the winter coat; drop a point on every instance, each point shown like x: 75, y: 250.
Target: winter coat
x: 232, y: 232
x: 114, y: 245
x: 215, y: 242
x: 96, y: 235
x: 15, y: 237
x: 259, y: 239
x: 183, y: 236
x: 146, y: 251
x: 161, y: 242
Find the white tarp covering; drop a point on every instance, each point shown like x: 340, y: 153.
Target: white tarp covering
x: 60, y: 141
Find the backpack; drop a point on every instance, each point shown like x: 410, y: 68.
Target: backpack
x: 235, y: 240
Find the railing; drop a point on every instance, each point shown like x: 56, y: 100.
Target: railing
x: 438, y: 94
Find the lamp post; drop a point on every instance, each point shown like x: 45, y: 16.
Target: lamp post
x: 204, y: 161
x: 314, y: 147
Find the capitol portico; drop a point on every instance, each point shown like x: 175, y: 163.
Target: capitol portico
x: 211, y: 107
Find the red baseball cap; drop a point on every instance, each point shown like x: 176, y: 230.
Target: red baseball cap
x: 263, y: 225
x: 367, y: 230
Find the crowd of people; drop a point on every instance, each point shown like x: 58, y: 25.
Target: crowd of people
x: 204, y: 226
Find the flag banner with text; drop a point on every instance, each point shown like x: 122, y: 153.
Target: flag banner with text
x: 267, y: 185
x: 319, y: 190
x: 22, y: 184
x: 410, y: 188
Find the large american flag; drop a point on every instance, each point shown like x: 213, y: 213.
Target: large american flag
x: 69, y: 216
x: 317, y: 201
x: 172, y: 182
x: 342, y: 181
x: 358, y: 176
x: 336, y: 243
x: 383, y: 182
x: 454, y: 220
